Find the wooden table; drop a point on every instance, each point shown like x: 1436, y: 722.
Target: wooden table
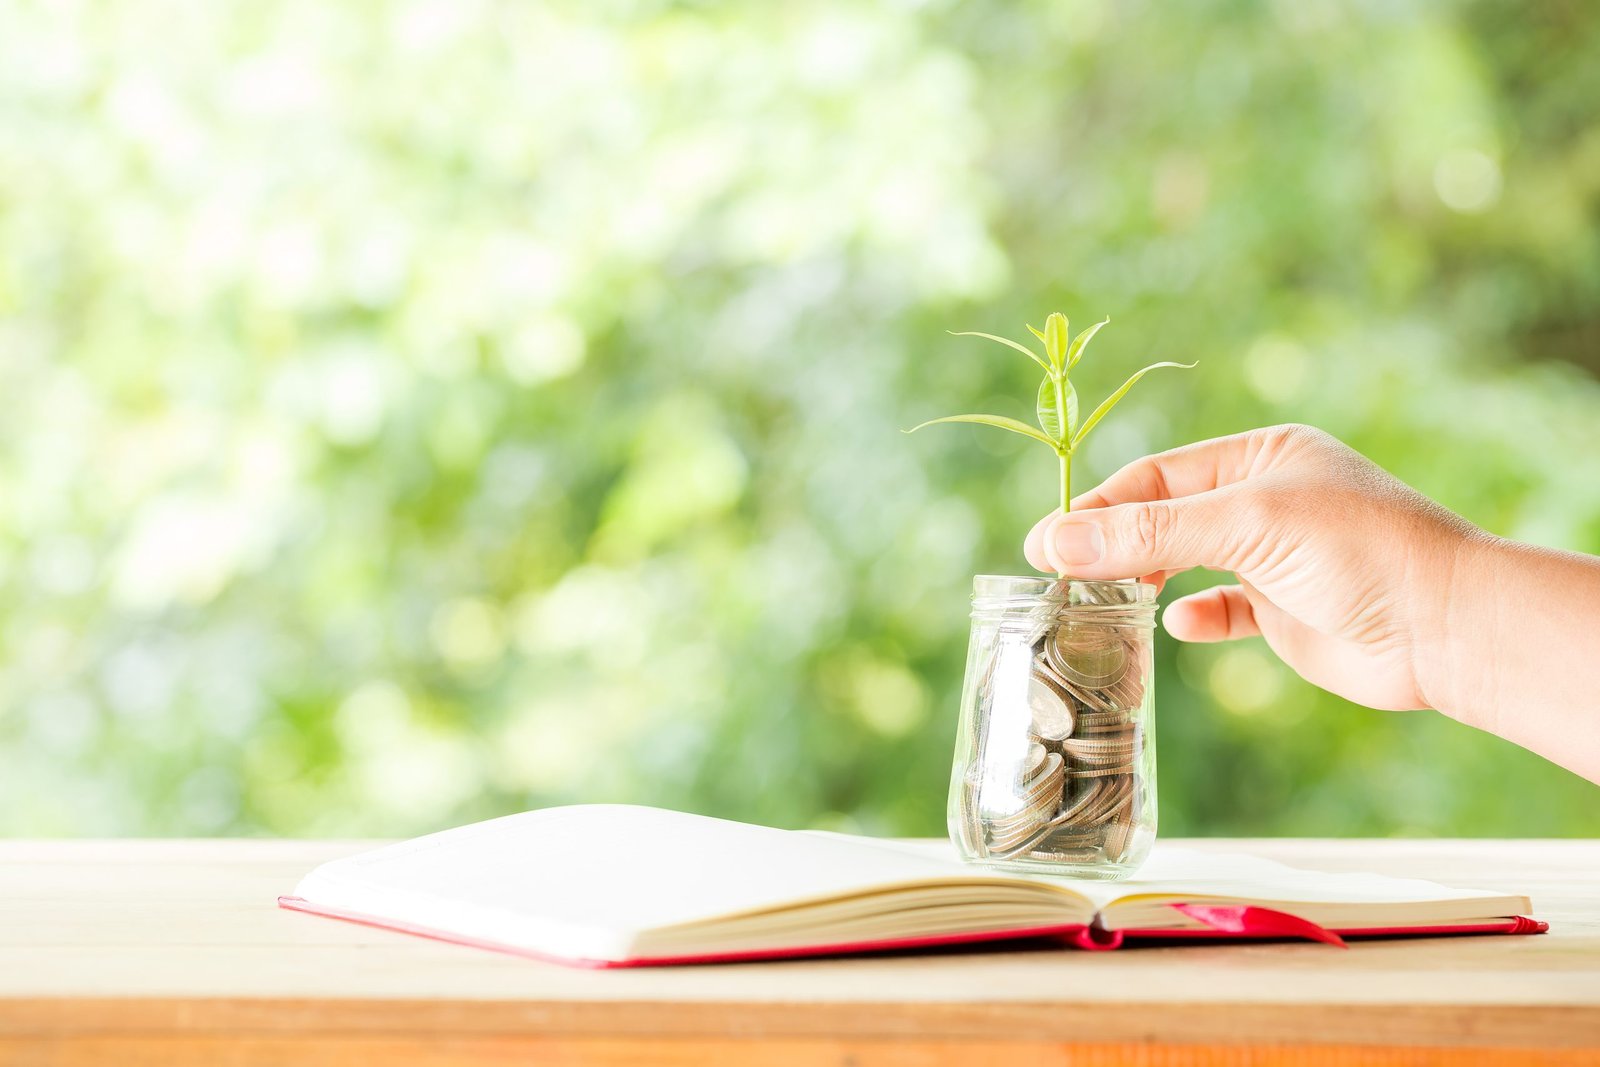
x: 173, y: 952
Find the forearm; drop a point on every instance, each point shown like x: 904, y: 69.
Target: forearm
x: 1516, y: 650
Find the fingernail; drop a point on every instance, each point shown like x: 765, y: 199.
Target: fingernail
x: 1076, y: 544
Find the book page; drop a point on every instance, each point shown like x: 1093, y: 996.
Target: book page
x: 1179, y: 874
x: 610, y: 882
x: 586, y: 880
x: 1235, y: 876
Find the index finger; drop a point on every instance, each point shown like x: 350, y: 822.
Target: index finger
x: 1197, y: 468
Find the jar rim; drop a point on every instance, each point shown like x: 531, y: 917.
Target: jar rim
x: 1120, y: 592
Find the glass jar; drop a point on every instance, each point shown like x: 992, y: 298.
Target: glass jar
x: 1055, y: 766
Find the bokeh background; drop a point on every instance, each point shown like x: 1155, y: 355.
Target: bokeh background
x: 415, y: 412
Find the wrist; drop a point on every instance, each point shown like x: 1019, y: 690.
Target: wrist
x: 1454, y: 645
x: 1513, y: 654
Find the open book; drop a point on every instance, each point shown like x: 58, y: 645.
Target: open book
x: 613, y: 885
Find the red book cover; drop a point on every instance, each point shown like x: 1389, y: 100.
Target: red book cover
x: 1223, y: 922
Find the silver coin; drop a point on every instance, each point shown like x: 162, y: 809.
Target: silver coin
x: 1118, y: 834
x: 1033, y: 763
x: 1039, y: 803
x: 1103, y: 769
x: 1107, y: 733
x: 1110, y: 799
x: 1087, y: 654
x: 1097, y: 720
x: 1094, y: 701
x: 1051, y: 707
x: 1108, y: 761
x: 1048, y: 780
x: 1042, y: 793
x: 1084, y: 801
x: 1101, y: 743
x: 1063, y: 832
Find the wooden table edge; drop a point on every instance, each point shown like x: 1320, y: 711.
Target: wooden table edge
x: 1209, y: 1023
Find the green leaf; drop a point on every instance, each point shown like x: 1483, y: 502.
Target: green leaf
x: 1075, y: 353
x: 1111, y: 401
x: 1024, y: 349
x: 1049, y: 406
x: 1055, y: 339
x: 1000, y: 421
x: 1037, y: 333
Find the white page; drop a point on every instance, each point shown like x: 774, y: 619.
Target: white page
x: 1193, y: 874
x: 584, y: 880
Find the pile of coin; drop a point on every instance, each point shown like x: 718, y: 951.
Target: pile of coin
x: 1075, y: 792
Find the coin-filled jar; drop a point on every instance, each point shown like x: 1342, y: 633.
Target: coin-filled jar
x: 1055, y: 766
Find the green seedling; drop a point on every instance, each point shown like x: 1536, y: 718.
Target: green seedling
x: 1057, y: 403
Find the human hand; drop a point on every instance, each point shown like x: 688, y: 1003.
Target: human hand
x: 1343, y: 569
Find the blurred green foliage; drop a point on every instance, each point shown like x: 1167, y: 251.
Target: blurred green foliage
x: 415, y: 412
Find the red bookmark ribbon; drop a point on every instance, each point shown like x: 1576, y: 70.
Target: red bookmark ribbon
x: 1247, y: 921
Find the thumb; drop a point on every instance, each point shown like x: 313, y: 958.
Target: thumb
x: 1128, y: 540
